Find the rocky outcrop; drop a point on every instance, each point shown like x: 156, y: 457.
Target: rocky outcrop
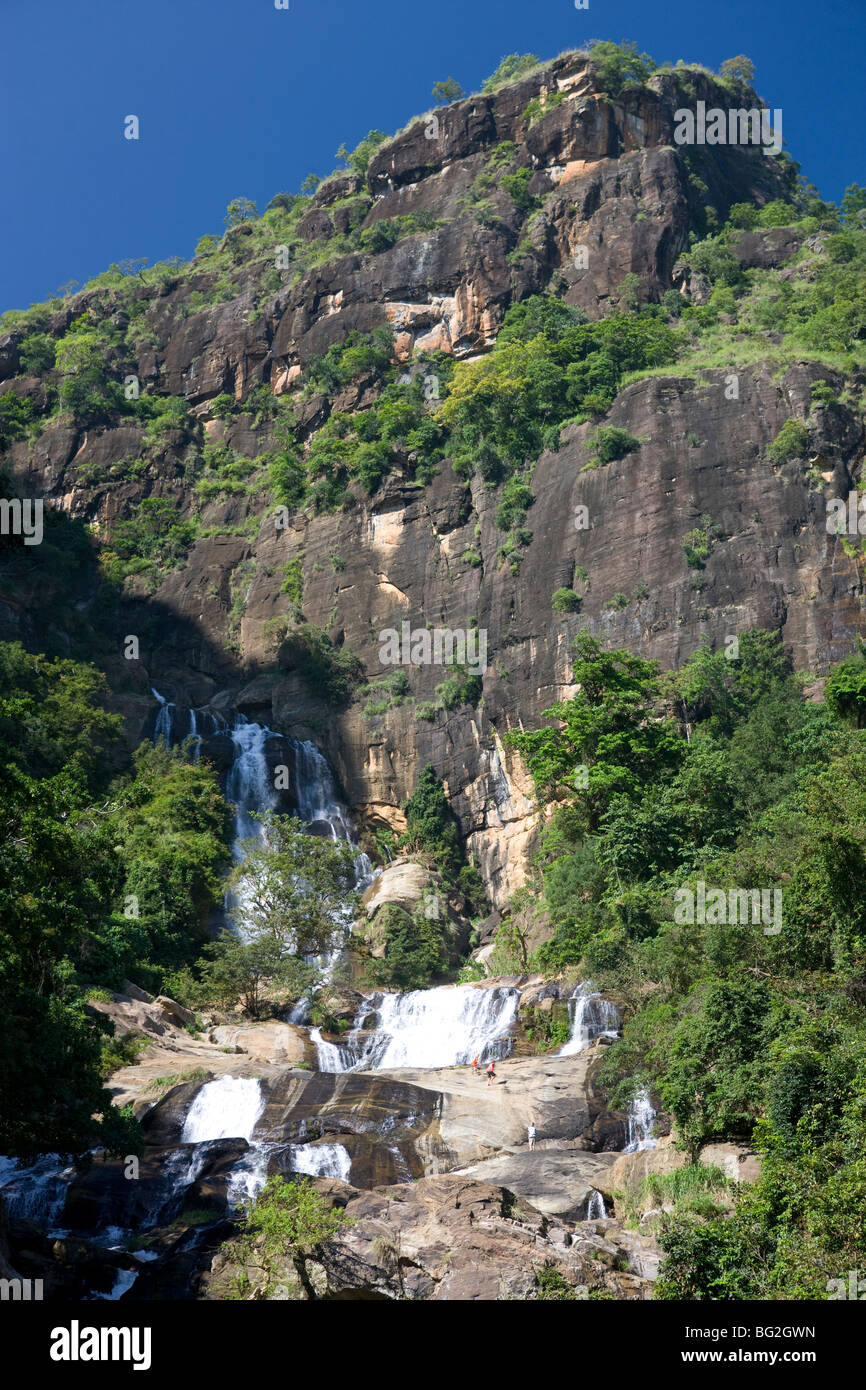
x: 443, y: 1238
x: 616, y: 199
x: 558, y: 1182
x: 628, y: 1172
x: 407, y: 887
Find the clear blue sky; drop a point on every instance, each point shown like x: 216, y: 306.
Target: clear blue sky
x: 236, y: 98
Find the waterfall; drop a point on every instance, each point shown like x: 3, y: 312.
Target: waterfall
x: 249, y: 1176
x: 322, y: 1161
x: 591, y: 1017
x: 224, y: 1109
x: 251, y: 789
x: 641, y: 1118
x: 445, y: 1027
x: 162, y: 728
x: 123, y: 1282
x: 36, y: 1192
x: 249, y: 785
x: 595, y: 1207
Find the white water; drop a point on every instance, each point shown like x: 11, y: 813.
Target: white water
x: 322, y: 1160
x: 641, y: 1118
x: 591, y: 1017
x: 249, y: 785
x: 38, y: 1192
x: 224, y: 1109
x: 595, y: 1209
x: 249, y: 1176
x: 445, y: 1027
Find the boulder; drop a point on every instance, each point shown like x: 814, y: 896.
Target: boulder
x: 173, y: 1011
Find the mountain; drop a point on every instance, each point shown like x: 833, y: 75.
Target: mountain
x: 491, y: 509
x: 250, y: 396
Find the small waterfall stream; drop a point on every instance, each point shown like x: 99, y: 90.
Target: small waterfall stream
x: 641, y: 1119
x: 592, y: 1016
x: 224, y: 1109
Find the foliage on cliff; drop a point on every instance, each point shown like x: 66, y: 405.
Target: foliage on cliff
x: 99, y: 880
x: 742, y: 1027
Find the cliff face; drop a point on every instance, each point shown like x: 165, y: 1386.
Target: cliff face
x: 618, y: 200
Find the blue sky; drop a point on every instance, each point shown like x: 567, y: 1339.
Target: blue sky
x: 236, y: 98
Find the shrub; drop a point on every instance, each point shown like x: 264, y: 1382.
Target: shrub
x: 566, y: 601
x: 791, y: 442
x: 620, y: 67
x: 510, y: 68
x: 611, y: 443
x: 36, y: 354
x: 329, y: 671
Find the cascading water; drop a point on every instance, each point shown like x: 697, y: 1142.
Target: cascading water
x: 248, y: 784
x: 595, y: 1210
x: 592, y: 1016
x: 37, y: 1192
x: 224, y: 1109
x: 641, y: 1119
x: 322, y: 1161
x: 446, y: 1027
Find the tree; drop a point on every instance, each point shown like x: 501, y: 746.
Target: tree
x: 238, y: 970
x: 293, y: 887
x: 446, y: 91
x: 287, y: 1222
x: 310, y: 184
x: 854, y: 206
x: 240, y: 210
x: 359, y: 158
x: 619, y: 66
x: 739, y: 71
x: 608, y: 728
x: 846, y: 688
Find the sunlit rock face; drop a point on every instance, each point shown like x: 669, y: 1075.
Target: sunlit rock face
x: 616, y: 201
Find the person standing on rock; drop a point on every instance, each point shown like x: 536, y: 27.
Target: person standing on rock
x: 532, y: 1133
x: 475, y: 1065
x: 491, y: 1073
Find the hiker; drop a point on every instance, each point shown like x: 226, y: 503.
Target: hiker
x: 475, y: 1066
x: 532, y: 1136
x: 491, y: 1073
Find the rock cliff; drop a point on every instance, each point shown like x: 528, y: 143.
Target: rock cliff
x: 608, y: 195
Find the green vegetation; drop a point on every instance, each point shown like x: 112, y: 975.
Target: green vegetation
x: 287, y: 1222
x: 330, y: 672
x: 101, y: 880
x: 431, y: 829
x: 791, y: 442
x: 416, y: 952
x: 742, y: 1032
x: 449, y: 90
x: 287, y: 893
x: 566, y: 601
x: 611, y: 443
x: 510, y: 69
x: 620, y: 67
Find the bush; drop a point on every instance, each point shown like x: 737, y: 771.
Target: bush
x: 509, y: 70
x: 611, y: 443
x: 330, y: 672
x: 566, y: 601
x: 791, y: 442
